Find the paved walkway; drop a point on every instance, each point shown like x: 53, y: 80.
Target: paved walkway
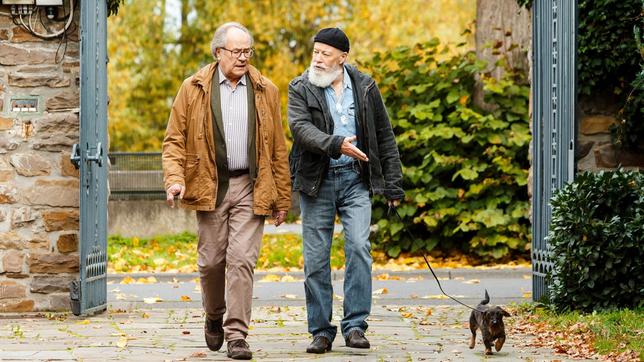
x: 408, y: 323
x: 437, y: 333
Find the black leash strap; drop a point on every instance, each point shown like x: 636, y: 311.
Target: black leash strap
x: 395, y: 211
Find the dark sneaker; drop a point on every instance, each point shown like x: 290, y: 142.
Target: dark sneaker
x: 214, y: 334
x: 356, y: 339
x: 319, y: 345
x: 239, y: 349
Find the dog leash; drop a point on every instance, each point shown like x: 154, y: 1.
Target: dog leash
x: 395, y: 211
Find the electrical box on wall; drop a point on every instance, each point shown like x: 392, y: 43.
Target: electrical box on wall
x: 18, y: 2
x: 24, y: 105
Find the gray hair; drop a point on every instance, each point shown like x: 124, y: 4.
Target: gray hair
x: 219, y: 39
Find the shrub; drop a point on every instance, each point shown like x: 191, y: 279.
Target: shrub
x: 465, y: 170
x: 596, y: 238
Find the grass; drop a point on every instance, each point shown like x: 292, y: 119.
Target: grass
x: 279, y: 252
x: 613, y: 331
x: 178, y: 253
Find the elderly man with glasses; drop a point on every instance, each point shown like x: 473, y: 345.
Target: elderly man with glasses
x: 224, y: 155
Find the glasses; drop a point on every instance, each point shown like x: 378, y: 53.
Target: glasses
x: 238, y: 52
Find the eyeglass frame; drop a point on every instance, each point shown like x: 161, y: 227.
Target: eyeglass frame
x: 250, y: 52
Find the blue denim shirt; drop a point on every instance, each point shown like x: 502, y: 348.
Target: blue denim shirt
x: 343, y: 114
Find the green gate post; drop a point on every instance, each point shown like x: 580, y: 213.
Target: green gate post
x: 554, y: 94
x: 89, y: 293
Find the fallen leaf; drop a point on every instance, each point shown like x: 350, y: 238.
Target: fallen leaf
x: 270, y: 278
x: 122, y: 342
x: 199, y: 355
x: 407, y: 314
x: 84, y: 321
x: 472, y: 281
x: 289, y: 296
x: 185, y: 298
x: 152, y: 300
x: 185, y: 332
x: 439, y: 296
x: 128, y: 280
x: 527, y: 294
x: 381, y: 291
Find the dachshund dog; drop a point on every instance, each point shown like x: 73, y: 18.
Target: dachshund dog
x: 490, y: 321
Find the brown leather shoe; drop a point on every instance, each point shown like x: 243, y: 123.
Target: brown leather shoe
x: 214, y: 333
x: 239, y: 349
x: 356, y: 339
x: 319, y: 345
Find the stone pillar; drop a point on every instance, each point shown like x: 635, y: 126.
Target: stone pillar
x: 39, y: 188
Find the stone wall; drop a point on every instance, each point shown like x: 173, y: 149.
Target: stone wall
x: 595, y: 150
x: 39, y: 188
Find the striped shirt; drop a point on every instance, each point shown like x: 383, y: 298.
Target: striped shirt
x: 234, y: 116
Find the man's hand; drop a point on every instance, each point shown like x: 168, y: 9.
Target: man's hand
x: 350, y: 150
x: 393, y: 203
x: 279, y: 217
x: 172, y: 191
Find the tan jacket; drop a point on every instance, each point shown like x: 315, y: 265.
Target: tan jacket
x: 189, y: 151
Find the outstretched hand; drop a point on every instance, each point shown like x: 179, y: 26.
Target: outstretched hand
x: 349, y: 149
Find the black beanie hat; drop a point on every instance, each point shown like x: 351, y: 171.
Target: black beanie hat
x: 333, y: 37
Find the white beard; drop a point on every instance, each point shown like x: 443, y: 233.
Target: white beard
x: 323, y: 79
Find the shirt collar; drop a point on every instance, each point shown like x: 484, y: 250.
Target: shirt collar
x: 223, y: 79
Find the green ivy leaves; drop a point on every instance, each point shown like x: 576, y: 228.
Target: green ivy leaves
x: 465, y: 168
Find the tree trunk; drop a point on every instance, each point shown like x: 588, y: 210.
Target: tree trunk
x: 503, y: 29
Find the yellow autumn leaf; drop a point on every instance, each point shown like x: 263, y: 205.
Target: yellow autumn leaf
x: 381, y: 291
x: 185, y: 298
x: 122, y: 342
x: 439, y: 296
x: 128, y: 280
x: 527, y: 294
x: 84, y: 322
x: 159, y: 261
x: 152, y: 300
x: 270, y: 278
x: 407, y: 314
x: 289, y: 296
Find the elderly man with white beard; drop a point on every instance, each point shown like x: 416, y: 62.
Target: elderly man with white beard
x: 344, y: 152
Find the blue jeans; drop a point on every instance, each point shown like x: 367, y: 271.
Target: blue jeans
x: 341, y: 191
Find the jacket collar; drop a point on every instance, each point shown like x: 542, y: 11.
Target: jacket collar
x: 203, y: 77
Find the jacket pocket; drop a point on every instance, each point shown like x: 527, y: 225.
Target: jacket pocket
x: 191, y: 176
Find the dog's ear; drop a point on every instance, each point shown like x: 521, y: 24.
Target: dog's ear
x: 505, y: 313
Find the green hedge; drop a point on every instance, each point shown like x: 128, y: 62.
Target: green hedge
x: 597, y: 242
x: 465, y: 170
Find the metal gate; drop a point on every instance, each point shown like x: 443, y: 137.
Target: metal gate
x: 554, y: 114
x: 89, y: 293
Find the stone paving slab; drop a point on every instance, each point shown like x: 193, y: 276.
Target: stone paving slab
x: 278, y: 333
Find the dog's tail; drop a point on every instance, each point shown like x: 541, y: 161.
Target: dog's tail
x: 486, y: 300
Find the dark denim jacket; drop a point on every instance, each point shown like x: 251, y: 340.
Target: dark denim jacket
x: 314, y: 143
